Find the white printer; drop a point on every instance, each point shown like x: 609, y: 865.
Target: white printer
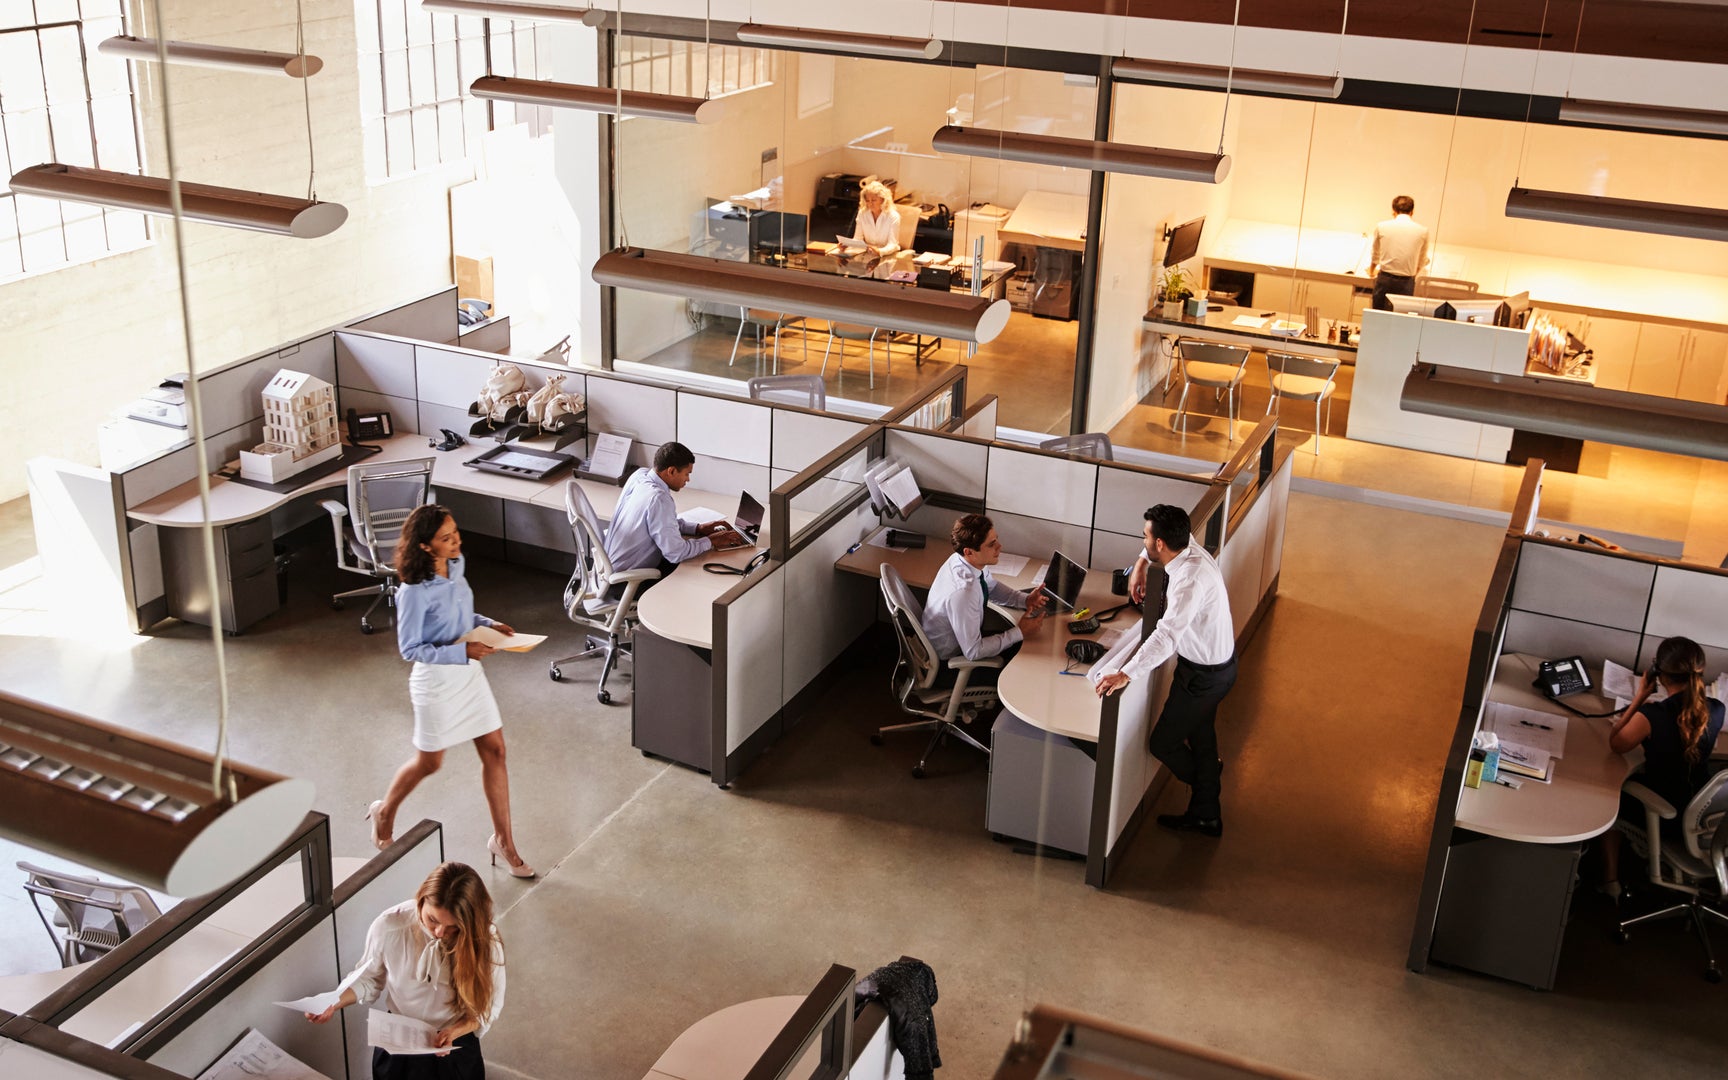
x: 165, y: 405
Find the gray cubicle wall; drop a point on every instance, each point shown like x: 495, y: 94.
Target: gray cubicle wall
x: 430, y: 318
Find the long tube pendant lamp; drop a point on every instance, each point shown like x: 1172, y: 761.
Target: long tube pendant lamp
x: 1083, y: 154
x: 840, y: 41
x: 1577, y: 412
x: 507, y: 9
x: 1270, y: 82
x: 133, y: 806
x: 254, y: 210
x: 1669, y: 219
x: 256, y: 61
x: 688, y: 110
x: 1613, y: 114
x: 825, y: 296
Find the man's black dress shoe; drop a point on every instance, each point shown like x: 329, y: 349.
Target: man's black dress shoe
x: 1190, y: 823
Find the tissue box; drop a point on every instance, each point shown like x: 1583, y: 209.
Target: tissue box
x: 1194, y: 307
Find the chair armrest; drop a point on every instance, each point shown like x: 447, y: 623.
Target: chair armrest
x: 1652, y: 801
x: 1719, y: 855
x: 960, y: 663
x: 644, y: 574
x: 1656, y: 808
x: 336, y: 509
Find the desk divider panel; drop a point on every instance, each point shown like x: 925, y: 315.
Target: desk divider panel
x: 740, y: 430
x: 803, y: 438
x: 1133, y: 769
x: 1033, y: 483
x: 980, y: 420
x: 1036, y: 538
x: 430, y: 318
x: 647, y: 413
x: 955, y: 466
x: 447, y: 381
x: 1550, y: 636
x: 749, y: 648
x: 392, y: 876
x: 1687, y: 602
x: 377, y: 373
x: 1575, y: 583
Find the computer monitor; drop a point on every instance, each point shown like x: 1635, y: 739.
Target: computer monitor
x: 1062, y: 582
x: 1420, y: 305
x: 771, y: 230
x: 1184, y: 242
x: 1485, y: 310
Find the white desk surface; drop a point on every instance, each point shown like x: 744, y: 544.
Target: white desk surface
x: 1047, y: 219
x: 1030, y: 685
x: 20, y: 992
x: 1584, y: 797
x: 273, y: 896
x: 724, y: 1045
x: 150, y: 989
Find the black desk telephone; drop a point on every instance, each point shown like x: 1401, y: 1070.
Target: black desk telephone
x: 362, y: 426
x: 1558, y: 678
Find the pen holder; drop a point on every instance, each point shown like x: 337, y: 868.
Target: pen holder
x: 1119, y: 582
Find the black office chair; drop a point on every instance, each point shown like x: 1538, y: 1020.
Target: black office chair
x: 938, y: 708
x: 381, y: 495
x: 1692, y: 865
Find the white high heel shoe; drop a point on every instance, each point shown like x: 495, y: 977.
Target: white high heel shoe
x: 380, y: 839
x: 521, y: 869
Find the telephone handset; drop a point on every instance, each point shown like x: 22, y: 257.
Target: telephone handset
x: 363, y: 426
x: 1559, y: 678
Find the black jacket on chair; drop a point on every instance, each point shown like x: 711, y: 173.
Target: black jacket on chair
x: 908, y: 988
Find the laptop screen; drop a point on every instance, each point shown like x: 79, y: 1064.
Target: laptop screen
x: 749, y: 519
x: 1063, y: 580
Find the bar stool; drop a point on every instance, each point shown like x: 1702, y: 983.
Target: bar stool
x: 1303, y: 378
x: 1220, y: 367
x: 844, y: 332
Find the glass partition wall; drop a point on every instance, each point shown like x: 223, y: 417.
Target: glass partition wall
x: 779, y: 180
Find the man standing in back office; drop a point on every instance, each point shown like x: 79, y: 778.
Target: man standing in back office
x: 1197, y: 628
x: 1400, y: 253
x: 646, y: 530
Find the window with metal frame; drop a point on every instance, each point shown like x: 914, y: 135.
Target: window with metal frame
x: 415, y: 67
x: 62, y: 101
x: 690, y: 68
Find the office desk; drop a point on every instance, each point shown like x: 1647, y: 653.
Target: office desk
x: 1219, y: 324
x: 680, y: 608
x: 1513, y: 860
x: 152, y: 987
x: 726, y: 1044
x: 19, y: 992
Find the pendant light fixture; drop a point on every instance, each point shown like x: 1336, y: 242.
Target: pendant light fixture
x: 1659, y: 117
x: 254, y: 210
x: 1668, y: 219
x: 1552, y: 407
x: 1218, y: 78
x: 841, y: 41
x: 136, y: 807
x: 257, y: 61
x: 1083, y: 154
x: 508, y: 9
x: 825, y: 296
x: 689, y: 110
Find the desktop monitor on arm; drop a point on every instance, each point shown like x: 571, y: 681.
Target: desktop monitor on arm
x: 1184, y: 242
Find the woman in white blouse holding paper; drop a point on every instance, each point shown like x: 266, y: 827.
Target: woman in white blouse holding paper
x: 453, y: 702
x: 878, y: 222
x: 437, y: 959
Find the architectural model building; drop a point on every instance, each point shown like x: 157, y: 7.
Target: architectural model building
x: 299, y: 428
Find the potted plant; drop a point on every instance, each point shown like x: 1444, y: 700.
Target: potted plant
x: 1173, y: 289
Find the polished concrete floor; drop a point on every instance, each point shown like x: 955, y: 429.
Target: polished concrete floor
x: 663, y: 899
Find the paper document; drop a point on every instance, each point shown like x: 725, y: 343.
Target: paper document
x: 315, y: 1004
x: 1526, y: 761
x: 1527, y: 727
x: 1009, y: 566
x: 611, y: 456
x: 1249, y: 321
x: 254, y: 1056
x: 395, y: 1034
x: 850, y: 244
x: 701, y: 516
x: 1619, y: 683
x: 485, y: 635
x: 901, y: 489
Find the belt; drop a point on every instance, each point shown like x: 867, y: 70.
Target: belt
x: 1180, y: 659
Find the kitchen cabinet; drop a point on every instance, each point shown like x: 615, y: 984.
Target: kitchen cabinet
x: 1656, y: 363
x: 1295, y: 294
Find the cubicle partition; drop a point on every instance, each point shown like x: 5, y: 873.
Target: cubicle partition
x: 1550, y: 597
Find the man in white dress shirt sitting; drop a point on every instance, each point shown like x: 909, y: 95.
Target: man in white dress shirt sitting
x: 1400, y: 253
x: 954, y: 612
x: 1196, y: 627
x: 646, y: 530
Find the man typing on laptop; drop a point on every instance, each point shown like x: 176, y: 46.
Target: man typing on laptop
x: 646, y: 530
x: 954, y: 612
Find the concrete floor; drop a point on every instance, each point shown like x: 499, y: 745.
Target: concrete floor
x: 663, y: 899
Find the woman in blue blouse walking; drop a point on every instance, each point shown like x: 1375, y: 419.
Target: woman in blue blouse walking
x: 453, y: 703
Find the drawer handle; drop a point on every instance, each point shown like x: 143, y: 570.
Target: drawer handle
x: 250, y: 550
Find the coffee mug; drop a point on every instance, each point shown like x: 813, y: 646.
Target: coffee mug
x: 1119, y: 582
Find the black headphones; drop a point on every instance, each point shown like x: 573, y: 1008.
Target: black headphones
x: 725, y: 568
x: 1085, y: 651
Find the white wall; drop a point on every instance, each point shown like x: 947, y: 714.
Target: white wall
x: 81, y: 342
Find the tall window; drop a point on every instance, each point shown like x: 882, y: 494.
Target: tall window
x: 415, y: 67
x: 690, y: 68
x: 61, y: 101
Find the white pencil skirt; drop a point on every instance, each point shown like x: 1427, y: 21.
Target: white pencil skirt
x: 453, y: 704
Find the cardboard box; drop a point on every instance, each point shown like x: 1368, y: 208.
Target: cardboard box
x: 474, y: 279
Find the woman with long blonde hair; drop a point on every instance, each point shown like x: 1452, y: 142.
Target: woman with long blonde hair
x: 435, y: 958
x: 1677, y: 734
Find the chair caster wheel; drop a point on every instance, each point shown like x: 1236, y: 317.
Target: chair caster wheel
x: 336, y: 605
x: 605, y: 697
x: 1712, y: 976
x: 917, y: 772
x: 557, y: 676
x: 876, y: 740
x: 365, y: 627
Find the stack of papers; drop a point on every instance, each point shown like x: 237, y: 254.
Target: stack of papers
x: 1526, y: 761
x: 396, y: 1034
x: 1527, y: 727
x: 485, y: 635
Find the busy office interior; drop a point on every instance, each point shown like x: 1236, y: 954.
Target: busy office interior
x: 980, y: 539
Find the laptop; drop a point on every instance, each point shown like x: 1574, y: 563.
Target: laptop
x: 1062, y: 583
x: 746, y: 523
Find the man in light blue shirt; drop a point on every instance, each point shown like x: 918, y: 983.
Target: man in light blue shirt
x: 646, y: 530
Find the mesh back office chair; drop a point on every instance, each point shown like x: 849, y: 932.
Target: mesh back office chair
x: 91, y: 916
x: 1091, y: 444
x: 1692, y: 865
x: 1206, y: 363
x: 1303, y: 378
x: 766, y: 322
x: 806, y: 390
x: 587, y: 596
x: 381, y: 495
x: 941, y: 708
